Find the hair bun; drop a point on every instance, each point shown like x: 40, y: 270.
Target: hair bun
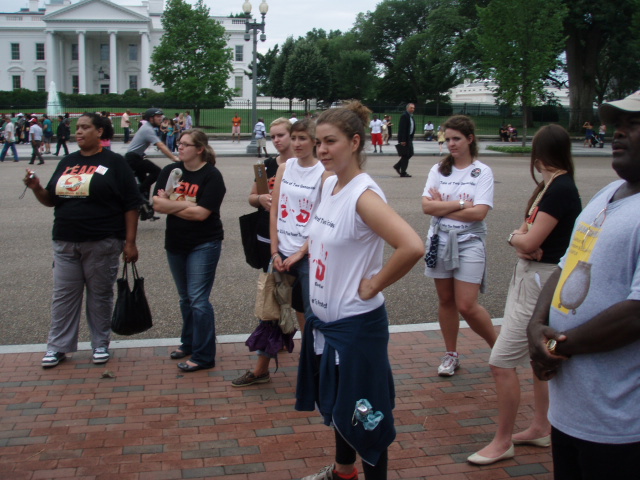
x: 360, y: 110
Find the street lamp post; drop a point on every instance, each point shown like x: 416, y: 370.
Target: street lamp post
x: 255, y: 27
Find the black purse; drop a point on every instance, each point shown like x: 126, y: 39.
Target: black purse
x: 131, y: 313
x: 250, y: 243
x: 431, y: 258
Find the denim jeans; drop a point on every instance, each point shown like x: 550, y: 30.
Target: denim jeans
x: 194, y: 273
x: 5, y: 149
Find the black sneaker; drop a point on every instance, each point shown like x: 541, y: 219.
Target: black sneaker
x: 51, y: 359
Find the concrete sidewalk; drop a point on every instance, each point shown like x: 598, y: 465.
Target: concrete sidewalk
x: 140, y: 418
x: 225, y: 148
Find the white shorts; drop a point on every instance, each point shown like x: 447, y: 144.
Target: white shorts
x: 512, y: 348
x: 472, y: 259
x: 262, y: 142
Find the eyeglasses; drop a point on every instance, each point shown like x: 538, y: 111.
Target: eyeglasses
x: 185, y: 145
x: 593, y: 230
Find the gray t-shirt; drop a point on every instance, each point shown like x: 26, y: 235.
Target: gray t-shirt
x: 596, y: 397
x: 145, y: 136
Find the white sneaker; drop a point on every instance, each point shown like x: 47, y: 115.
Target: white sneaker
x: 325, y: 474
x: 101, y: 355
x: 448, y: 366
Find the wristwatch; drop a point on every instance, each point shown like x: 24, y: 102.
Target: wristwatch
x: 461, y: 204
x: 551, y: 346
x: 511, y: 235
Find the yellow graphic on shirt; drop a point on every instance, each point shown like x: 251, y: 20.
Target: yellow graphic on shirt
x: 575, y: 280
x: 74, y: 186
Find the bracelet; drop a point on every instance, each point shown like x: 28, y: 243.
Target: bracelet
x: 273, y: 255
x: 258, y: 199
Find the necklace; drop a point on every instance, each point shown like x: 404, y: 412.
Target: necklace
x: 544, y: 190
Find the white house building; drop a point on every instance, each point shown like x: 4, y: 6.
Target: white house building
x: 481, y: 92
x: 96, y: 46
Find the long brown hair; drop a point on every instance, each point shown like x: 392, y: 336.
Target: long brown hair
x: 551, y: 146
x: 350, y: 120
x: 466, y: 127
x: 200, y: 140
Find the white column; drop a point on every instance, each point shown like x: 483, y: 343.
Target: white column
x: 51, y: 56
x: 82, y: 64
x: 113, y: 63
x: 145, y: 81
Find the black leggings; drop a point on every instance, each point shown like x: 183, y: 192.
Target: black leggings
x: 145, y: 171
x: 346, y: 455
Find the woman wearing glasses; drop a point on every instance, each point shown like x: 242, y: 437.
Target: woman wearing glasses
x: 539, y: 243
x: 193, y: 240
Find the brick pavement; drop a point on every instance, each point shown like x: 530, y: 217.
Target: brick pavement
x: 151, y: 422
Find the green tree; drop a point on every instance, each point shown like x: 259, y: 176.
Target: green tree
x: 265, y: 65
x: 192, y: 61
x: 520, y: 41
x: 276, y: 76
x: 591, y: 29
x: 307, y: 74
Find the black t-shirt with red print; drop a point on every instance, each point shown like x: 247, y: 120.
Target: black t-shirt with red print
x: 204, y: 187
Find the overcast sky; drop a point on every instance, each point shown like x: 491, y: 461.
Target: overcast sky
x: 285, y: 17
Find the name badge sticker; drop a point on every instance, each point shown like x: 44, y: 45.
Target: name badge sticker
x: 101, y: 170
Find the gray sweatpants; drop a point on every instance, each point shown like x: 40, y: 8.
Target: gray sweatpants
x: 93, y: 265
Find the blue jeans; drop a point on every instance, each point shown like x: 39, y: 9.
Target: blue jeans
x: 5, y: 149
x: 194, y: 273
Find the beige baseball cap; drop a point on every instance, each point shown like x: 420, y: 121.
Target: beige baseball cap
x: 610, y: 110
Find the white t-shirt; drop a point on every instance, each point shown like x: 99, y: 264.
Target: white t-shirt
x: 299, y: 198
x: 472, y: 184
x: 9, y: 129
x: 376, y: 126
x: 342, y: 251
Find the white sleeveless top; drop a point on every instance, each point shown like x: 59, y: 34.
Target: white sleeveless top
x: 342, y: 251
x: 299, y: 198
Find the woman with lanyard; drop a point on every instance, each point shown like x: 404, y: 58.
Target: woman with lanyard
x: 193, y: 240
x: 344, y: 364
x: 95, y: 200
x: 539, y: 243
x: 280, y: 132
x: 297, y: 192
x: 458, y: 195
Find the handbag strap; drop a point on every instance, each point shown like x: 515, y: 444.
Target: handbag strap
x: 135, y: 271
x: 125, y: 275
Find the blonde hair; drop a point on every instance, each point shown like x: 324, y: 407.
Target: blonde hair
x: 281, y: 121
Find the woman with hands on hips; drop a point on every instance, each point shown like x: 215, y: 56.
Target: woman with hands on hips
x: 193, y: 240
x: 458, y: 195
x: 95, y: 201
x: 539, y: 243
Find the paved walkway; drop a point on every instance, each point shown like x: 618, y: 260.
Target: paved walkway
x: 140, y: 418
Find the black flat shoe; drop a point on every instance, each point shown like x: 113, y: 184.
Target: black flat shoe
x: 178, y: 354
x: 405, y: 175
x: 185, y: 367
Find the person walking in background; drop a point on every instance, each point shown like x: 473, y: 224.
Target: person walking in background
x: 406, y: 131
x: 390, y: 128
x: 588, y: 135
x: 539, y: 243
x: 47, y: 133
x: 188, y: 121
x: 260, y: 133
x: 602, y: 131
x: 441, y: 137
x: 583, y: 335
x: 9, y: 140
x: 93, y: 224
x: 385, y: 130
x: 458, y: 195
x: 235, y: 128
x: 125, y: 124
x: 376, y: 133
x: 344, y: 362
x: 35, y: 137
x: 171, y: 135
x: 63, y: 133
x: 193, y: 240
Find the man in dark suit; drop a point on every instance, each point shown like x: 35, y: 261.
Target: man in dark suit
x: 406, y: 130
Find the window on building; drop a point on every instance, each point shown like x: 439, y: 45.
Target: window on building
x: 239, y: 53
x: 15, y: 51
x: 104, y: 51
x: 40, y: 83
x: 75, y: 84
x: 238, y: 86
x: 17, y: 82
x: 74, y: 51
x: 104, y: 89
x: 39, y: 51
x: 133, y: 52
x: 133, y: 82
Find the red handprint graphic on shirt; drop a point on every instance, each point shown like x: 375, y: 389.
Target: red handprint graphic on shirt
x: 321, y: 269
x: 283, y: 206
x: 305, y: 210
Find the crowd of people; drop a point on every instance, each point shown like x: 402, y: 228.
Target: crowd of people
x: 572, y: 306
